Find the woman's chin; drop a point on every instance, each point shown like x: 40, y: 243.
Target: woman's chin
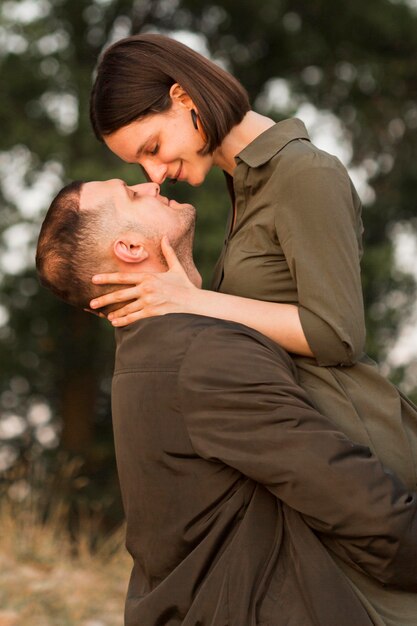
x: 196, y: 181
x: 195, y: 178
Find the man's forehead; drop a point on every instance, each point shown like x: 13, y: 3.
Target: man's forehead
x: 93, y: 193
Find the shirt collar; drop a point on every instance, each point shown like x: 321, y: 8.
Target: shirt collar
x: 271, y: 141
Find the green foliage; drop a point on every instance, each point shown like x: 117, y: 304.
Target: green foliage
x: 355, y: 59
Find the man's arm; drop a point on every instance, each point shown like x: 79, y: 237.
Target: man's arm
x: 243, y: 407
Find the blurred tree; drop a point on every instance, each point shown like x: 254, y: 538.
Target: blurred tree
x: 356, y: 60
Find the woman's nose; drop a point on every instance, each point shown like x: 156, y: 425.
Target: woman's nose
x: 156, y: 173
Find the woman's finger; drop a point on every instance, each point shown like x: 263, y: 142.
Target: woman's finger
x: 118, y: 278
x: 128, y: 319
x: 132, y: 307
x: 120, y: 295
x: 170, y: 256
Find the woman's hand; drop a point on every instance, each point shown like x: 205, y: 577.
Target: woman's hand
x: 173, y: 292
x: 151, y: 294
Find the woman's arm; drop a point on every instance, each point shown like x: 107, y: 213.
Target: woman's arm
x: 279, y: 322
x: 317, y: 220
x: 173, y: 292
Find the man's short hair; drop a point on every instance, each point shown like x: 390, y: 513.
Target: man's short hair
x: 65, y: 261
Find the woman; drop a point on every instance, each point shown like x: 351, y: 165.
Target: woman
x: 290, y: 266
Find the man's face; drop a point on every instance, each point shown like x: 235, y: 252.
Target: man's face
x: 142, y: 207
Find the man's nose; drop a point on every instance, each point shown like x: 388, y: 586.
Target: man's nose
x: 147, y: 189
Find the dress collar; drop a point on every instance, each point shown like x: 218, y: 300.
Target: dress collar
x: 271, y: 141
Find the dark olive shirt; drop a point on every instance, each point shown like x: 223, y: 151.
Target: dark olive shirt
x: 297, y: 239
x: 227, y: 473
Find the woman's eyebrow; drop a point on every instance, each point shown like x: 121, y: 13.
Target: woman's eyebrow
x: 142, y: 145
x: 141, y: 148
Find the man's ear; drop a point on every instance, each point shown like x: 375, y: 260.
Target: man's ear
x: 130, y: 251
x: 178, y: 94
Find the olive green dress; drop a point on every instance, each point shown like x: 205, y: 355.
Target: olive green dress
x: 297, y: 239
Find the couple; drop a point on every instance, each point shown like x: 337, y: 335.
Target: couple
x: 226, y: 469
x: 241, y: 499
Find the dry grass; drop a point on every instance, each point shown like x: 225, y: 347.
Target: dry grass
x: 44, y: 581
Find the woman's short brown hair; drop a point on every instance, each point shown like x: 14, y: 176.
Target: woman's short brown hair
x: 134, y: 77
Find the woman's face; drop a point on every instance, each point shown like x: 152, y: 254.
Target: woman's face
x: 165, y: 144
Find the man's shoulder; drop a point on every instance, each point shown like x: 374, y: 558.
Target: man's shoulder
x: 161, y: 343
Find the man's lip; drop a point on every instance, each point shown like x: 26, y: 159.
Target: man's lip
x: 164, y: 199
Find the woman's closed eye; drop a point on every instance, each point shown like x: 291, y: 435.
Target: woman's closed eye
x: 154, y: 150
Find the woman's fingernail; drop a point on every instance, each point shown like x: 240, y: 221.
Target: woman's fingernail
x: 110, y: 316
x: 115, y: 322
x: 93, y: 304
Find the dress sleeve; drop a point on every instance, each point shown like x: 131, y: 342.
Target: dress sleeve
x: 317, y: 226
x: 244, y: 409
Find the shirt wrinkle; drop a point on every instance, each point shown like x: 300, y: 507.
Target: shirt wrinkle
x: 272, y: 141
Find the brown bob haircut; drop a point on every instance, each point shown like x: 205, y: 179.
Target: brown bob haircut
x: 134, y: 77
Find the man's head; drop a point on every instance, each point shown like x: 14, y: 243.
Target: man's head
x: 107, y: 226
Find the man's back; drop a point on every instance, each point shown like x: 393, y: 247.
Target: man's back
x: 211, y: 543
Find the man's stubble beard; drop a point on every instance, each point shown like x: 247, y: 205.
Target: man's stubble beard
x: 183, y: 246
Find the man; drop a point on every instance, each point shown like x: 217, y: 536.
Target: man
x: 240, y: 498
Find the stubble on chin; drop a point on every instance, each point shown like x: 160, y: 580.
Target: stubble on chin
x: 182, y: 244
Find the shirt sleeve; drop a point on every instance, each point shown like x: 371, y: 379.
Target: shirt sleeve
x: 317, y: 226
x: 243, y: 408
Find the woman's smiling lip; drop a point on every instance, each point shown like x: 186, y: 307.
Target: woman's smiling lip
x: 178, y: 172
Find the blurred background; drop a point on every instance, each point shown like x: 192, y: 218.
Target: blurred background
x: 348, y: 70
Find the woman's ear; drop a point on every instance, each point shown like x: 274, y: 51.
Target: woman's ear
x: 129, y: 251
x: 179, y: 95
